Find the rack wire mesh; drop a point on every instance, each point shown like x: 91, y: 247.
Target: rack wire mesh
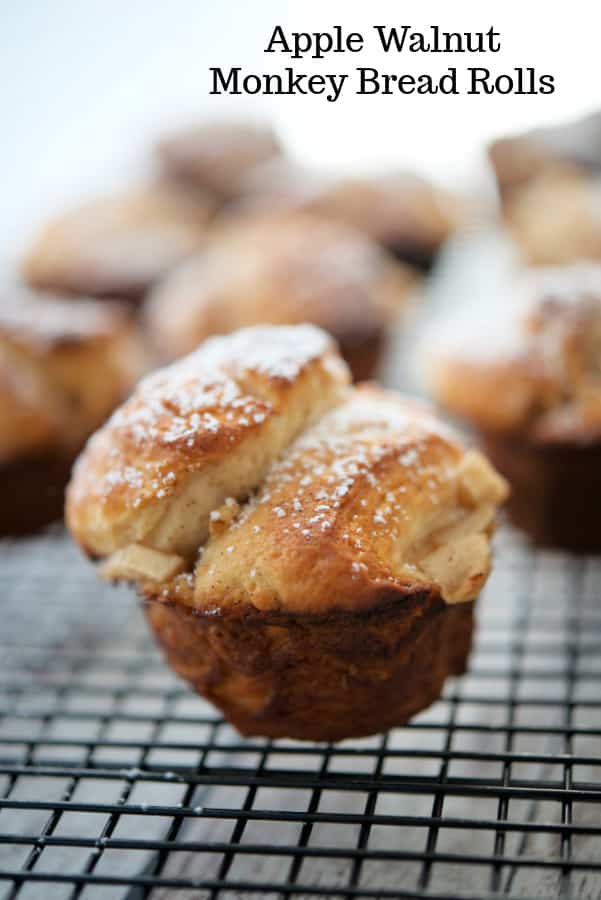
x: 116, y: 781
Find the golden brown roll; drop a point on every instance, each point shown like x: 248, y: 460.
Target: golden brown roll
x: 63, y: 369
x: 280, y: 184
x: 535, y: 397
x: 309, y: 552
x: 119, y: 245
x: 198, y: 432
x: 283, y: 270
x: 556, y: 218
x: 405, y: 213
x: 518, y: 159
x: 215, y: 155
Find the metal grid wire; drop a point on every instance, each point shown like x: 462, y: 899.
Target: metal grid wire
x: 116, y: 781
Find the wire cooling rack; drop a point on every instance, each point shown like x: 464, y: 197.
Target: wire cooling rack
x: 117, y: 782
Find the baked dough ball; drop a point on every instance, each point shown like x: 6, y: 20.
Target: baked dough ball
x: 63, y: 369
x: 402, y: 211
x: 518, y: 159
x: 310, y: 552
x: 557, y: 218
x: 535, y: 396
x: 118, y: 245
x: 280, y: 184
x: 405, y: 213
x: 198, y: 432
x: 283, y: 270
x: 216, y: 155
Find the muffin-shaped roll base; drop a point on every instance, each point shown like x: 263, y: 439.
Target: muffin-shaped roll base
x: 33, y: 492
x: 321, y: 678
x: 556, y: 489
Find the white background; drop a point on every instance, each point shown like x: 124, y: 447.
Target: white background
x: 87, y: 84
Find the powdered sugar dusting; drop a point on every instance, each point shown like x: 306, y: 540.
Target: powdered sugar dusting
x: 344, y: 454
x: 47, y: 319
x: 202, y: 401
x: 278, y: 352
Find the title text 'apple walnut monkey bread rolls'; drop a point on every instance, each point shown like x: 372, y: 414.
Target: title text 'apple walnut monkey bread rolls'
x: 63, y: 369
x: 283, y: 270
x: 309, y: 552
x: 533, y: 391
x: 119, y: 245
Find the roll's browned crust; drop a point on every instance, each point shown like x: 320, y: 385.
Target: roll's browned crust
x: 321, y: 678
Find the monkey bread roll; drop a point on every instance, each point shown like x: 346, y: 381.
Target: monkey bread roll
x: 309, y: 552
x: 535, y: 398
x: 519, y: 159
x: 404, y: 212
x: 63, y: 369
x: 284, y: 270
x: 118, y: 245
x: 408, y: 215
x: 215, y: 155
x: 556, y: 218
x: 548, y: 181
